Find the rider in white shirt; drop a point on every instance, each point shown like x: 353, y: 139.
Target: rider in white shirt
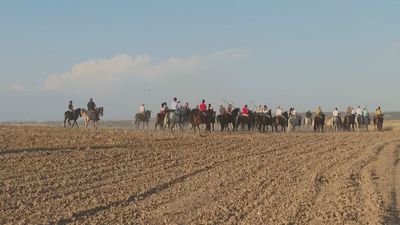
x: 335, y: 113
x: 141, y: 108
x: 279, y: 111
x: 259, y: 109
x: 265, y: 109
x: 174, y: 104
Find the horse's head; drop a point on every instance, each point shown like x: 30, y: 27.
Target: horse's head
x: 235, y: 111
x: 100, y: 111
x: 147, y: 114
x: 78, y: 112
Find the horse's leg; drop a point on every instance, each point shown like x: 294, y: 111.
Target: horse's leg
x: 65, y: 122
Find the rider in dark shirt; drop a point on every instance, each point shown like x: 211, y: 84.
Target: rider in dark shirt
x: 70, y: 106
x: 92, y: 107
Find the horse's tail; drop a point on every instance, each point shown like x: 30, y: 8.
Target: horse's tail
x: 166, y: 119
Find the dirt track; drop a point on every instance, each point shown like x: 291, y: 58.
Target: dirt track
x: 62, y: 176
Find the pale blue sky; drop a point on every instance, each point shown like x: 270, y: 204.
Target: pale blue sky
x: 290, y: 53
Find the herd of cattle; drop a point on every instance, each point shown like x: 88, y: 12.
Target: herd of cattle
x: 263, y: 122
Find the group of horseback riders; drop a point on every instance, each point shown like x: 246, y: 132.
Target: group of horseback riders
x: 91, y: 106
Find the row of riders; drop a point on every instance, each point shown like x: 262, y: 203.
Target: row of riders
x: 178, y: 116
x: 92, y: 113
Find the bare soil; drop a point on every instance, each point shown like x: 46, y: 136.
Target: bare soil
x: 52, y: 175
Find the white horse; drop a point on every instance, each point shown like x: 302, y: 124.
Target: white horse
x: 172, y: 120
x: 293, y: 122
x: 89, y: 115
x: 329, y: 123
x: 307, y: 121
x: 337, y: 123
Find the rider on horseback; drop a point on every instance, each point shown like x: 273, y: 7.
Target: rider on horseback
x: 203, y: 106
x: 265, y: 109
x: 92, y: 107
x: 335, y: 112
x: 279, y: 112
x: 378, y: 112
x: 292, y: 112
x: 319, y: 112
x: 229, y: 109
x: 259, y: 109
x: 71, y: 107
x: 245, y: 111
x: 163, y: 108
x: 221, y: 110
x: 142, y: 109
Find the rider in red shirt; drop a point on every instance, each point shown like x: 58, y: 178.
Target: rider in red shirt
x: 245, y: 111
x: 203, y: 106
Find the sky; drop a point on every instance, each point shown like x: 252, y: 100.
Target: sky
x: 300, y: 54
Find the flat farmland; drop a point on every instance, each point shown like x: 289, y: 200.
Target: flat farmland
x: 51, y: 175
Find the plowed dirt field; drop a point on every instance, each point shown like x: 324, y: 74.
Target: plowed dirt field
x: 111, y: 176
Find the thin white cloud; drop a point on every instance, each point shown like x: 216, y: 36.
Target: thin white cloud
x: 18, y: 88
x: 231, y: 54
x: 100, y: 72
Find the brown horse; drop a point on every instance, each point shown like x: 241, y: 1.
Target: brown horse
x: 197, y: 117
x: 263, y: 120
x: 319, y: 123
x: 378, y: 122
x: 349, y: 122
x: 160, y: 120
x: 281, y: 121
x: 142, y: 117
x: 227, y: 118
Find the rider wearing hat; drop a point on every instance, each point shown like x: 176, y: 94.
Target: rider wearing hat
x: 92, y: 107
x: 70, y: 106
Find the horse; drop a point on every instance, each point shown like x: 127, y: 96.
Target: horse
x: 142, y: 117
x: 362, y: 122
x: 244, y: 121
x: 227, y: 118
x: 349, y: 122
x: 212, y: 115
x: 68, y: 116
x: 329, y: 123
x: 263, y: 120
x: 90, y: 115
x: 319, y: 123
x: 293, y: 122
x: 160, y: 120
x: 281, y: 121
x: 171, y: 120
x: 185, y: 116
x: 197, y: 117
x: 378, y: 121
x: 337, y: 123
x: 308, y: 120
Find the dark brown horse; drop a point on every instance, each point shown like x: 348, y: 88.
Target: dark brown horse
x: 319, y: 123
x: 226, y: 119
x: 142, y: 118
x: 263, y: 120
x: 349, y: 122
x: 160, y: 120
x: 197, y: 117
x: 281, y: 121
x: 68, y: 116
x: 378, y: 122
